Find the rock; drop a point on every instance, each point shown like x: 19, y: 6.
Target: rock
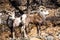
x: 58, y: 12
x: 58, y: 35
x: 49, y: 38
x: 58, y: 1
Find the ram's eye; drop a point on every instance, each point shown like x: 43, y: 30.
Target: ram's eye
x: 41, y: 10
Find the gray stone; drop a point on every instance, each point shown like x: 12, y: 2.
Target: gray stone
x: 49, y: 38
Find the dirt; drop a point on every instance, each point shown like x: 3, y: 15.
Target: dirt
x: 51, y: 29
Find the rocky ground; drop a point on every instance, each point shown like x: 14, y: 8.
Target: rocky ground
x: 49, y: 31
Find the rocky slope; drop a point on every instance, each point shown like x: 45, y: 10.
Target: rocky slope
x: 49, y: 31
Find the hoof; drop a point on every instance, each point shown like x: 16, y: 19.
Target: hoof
x: 26, y: 38
x: 38, y: 37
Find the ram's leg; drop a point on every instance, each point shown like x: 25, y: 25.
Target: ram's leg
x: 24, y: 32
x: 37, y: 30
x: 14, y: 35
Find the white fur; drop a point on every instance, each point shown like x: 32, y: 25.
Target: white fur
x: 24, y: 17
x: 17, y: 21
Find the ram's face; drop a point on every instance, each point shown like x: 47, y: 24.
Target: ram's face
x: 43, y: 10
